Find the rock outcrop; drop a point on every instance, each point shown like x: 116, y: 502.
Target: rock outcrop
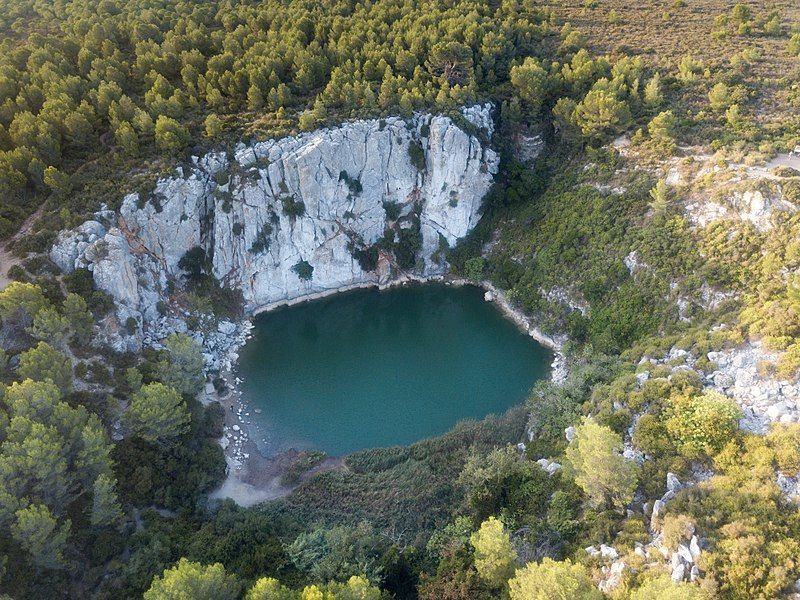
x: 295, y: 217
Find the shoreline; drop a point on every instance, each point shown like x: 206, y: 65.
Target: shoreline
x: 251, y: 477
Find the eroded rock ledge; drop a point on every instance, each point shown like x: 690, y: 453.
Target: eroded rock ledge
x: 289, y: 218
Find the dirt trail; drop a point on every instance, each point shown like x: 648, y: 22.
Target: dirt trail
x: 7, y: 260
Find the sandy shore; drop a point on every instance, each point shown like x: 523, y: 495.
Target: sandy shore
x: 252, y: 477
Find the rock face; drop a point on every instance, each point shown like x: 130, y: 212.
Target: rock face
x: 284, y: 219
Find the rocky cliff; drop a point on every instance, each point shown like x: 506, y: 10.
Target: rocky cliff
x: 361, y: 203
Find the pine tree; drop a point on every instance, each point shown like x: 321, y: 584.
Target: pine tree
x: 495, y: 557
x: 595, y: 459
x: 156, y: 413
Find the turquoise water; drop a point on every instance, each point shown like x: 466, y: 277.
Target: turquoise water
x: 373, y: 368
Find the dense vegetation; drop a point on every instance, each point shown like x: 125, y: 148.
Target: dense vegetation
x: 107, y: 459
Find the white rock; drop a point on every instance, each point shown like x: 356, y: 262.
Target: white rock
x: 255, y: 245
x: 553, y: 468
x: 694, y: 547
x: 685, y: 554
x: 608, y: 552
x: 226, y: 327
x: 673, y: 483
x: 592, y: 551
x: 569, y: 433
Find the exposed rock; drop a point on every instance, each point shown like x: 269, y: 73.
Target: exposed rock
x: 608, y: 552
x: 678, y: 572
x: 673, y: 483
x: 226, y: 327
x: 549, y: 467
x: 694, y: 548
x: 612, y: 577
x: 684, y: 553
x: 764, y: 400
x: 315, y: 198
x: 658, y: 506
x: 569, y: 433
x: 529, y: 147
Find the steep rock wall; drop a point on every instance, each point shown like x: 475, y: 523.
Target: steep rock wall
x: 314, y: 199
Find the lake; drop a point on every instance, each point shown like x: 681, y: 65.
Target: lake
x: 372, y: 368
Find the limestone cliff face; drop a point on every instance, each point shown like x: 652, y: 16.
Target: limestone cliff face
x: 317, y: 200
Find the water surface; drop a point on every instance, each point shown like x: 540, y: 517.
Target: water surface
x: 373, y: 368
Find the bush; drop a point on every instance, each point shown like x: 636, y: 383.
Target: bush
x: 700, y: 425
x: 417, y: 155
x: 303, y: 270
x: 292, y: 207
x: 474, y: 268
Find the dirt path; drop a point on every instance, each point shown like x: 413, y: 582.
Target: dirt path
x: 7, y: 260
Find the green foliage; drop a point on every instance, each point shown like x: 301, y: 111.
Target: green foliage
x: 746, y: 564
x: 170, y: 136
x: 784, y: 439
x: 700, y: 425
x: 50, y: 455
x: 662, y: 132
x: 213, y: 126
x: 182, y: 366
x: 49, y: 326
x: 663, y: 588
x: 417, y: 155
x: 292, y: 207
x: 20, y: 303
x: 474, y: 268
x: 173, y: 475
x: 653, y: 93
x: 157, y: 413
x: 269, y: 588
x: 39, y: 534
x: 495, y: 557
x: 338, y: 553
x: 530, y: 82
x: 689, y: 69
x: 793, y: 47
x: 105, y: 508
x: 45, y: 363
x: 600, y: 470
x: 601, y: 114
x: 192, y: 580
x: 262, y: 240
x: 80, y: 320
x: 303, y: 270
x: 553, y: 579
x: 501, y: 483
x: 675, y: 530
x: 57, y: 181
